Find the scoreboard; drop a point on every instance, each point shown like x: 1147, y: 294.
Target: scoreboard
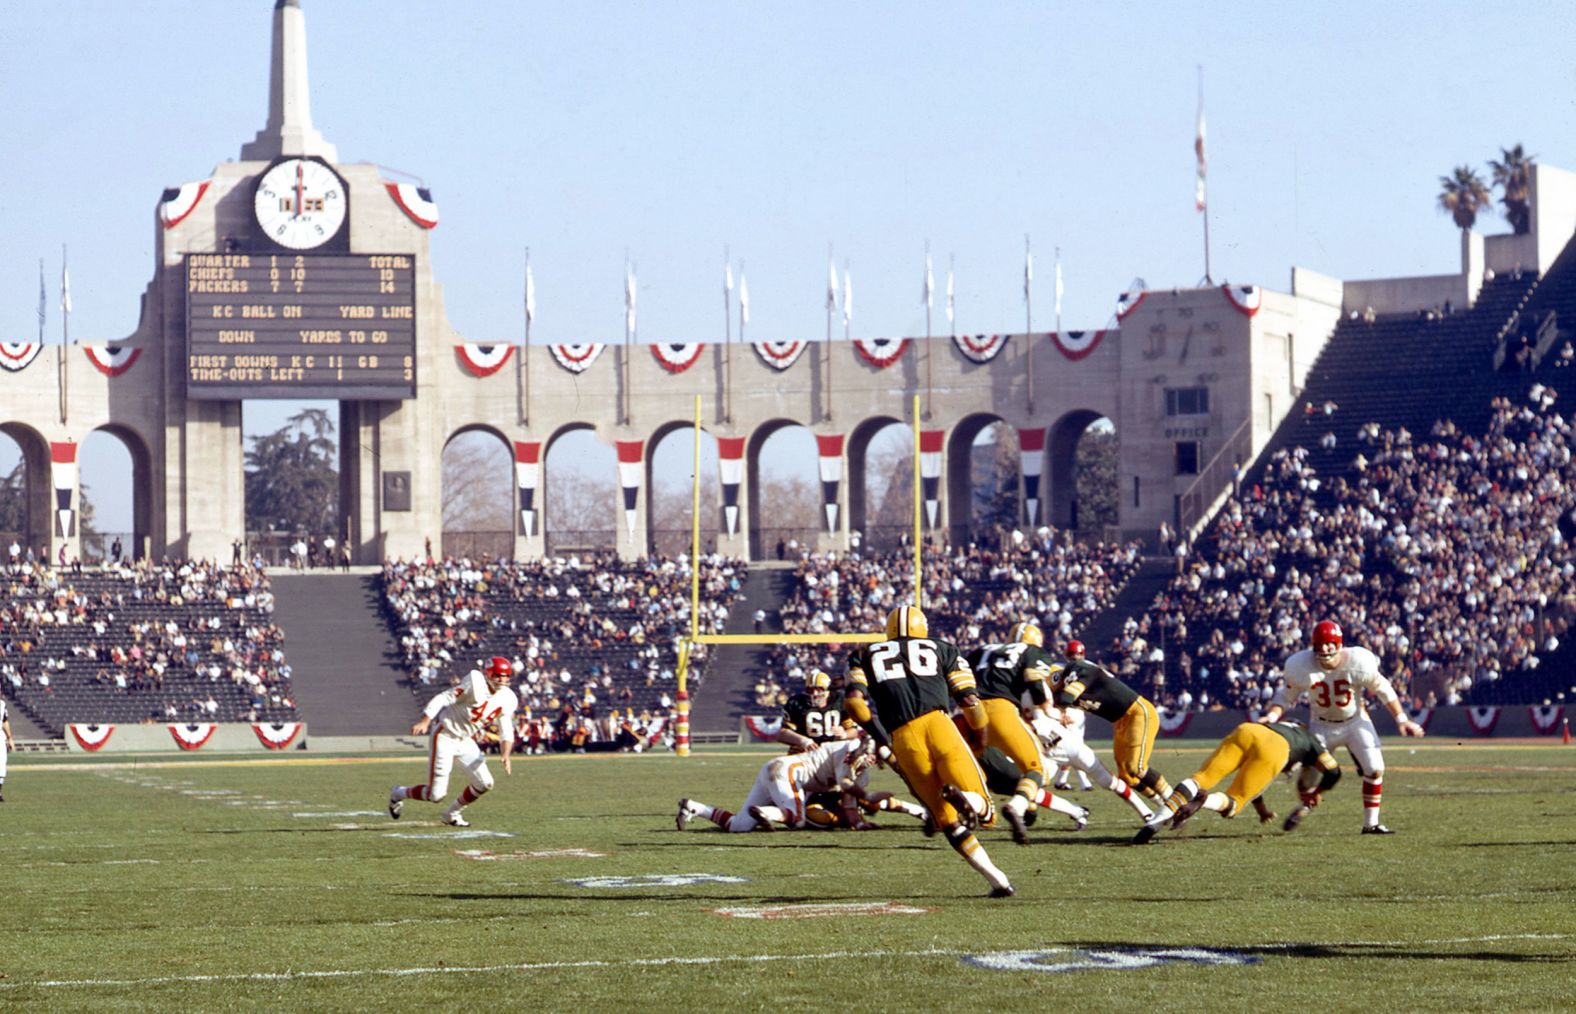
x: 291, y: 325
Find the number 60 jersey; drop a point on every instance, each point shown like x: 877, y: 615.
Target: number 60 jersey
x: 907, y: 677
x: 1335, y: 695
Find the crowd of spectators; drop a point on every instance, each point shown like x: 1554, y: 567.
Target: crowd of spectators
x: 594, y: 640
x: 143, y: 641
x: 973, y: 593
x: 1442, y: 556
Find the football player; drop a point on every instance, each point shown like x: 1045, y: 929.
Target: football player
x: 782, y: 790
x: 5, y: 750
x: 1004, y: 674
x: 461, y: 713
x: 1081, y: 683
x: 1334, y: 676
x: 1063, y: 745
x: 1257, y: 753
x: 906, y: 681
x: 815, y: 715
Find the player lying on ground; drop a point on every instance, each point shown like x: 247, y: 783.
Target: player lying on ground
x: 906, y: 682
x: 1061, y: 735
x: 1257, y: 753
x: 783, y: 791
x: 462, y: 712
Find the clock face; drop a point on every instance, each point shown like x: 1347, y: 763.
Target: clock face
x: 300, y: 203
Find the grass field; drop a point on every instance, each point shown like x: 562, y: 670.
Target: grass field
x: 242, y: 883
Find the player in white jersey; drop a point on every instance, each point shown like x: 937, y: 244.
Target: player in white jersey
x: 782, y: 791
x: 1334, y: 676
x: 1064, y: 745
x: 461, y: 713
x: 10, y: 744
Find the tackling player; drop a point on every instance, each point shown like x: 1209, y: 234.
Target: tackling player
x: 1134, y: 722
x: 1062, y: 743
x: 782, y: 790
x: 1334, y: 676
x: 907, y: 681
x: 1004, y: 673
x: 1257, y: 753
x: 461, y: 713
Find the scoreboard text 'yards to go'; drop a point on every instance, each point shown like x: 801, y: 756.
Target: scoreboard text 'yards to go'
x: 300, y: 326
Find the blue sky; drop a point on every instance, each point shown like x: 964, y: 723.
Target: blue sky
x: 673, y: 131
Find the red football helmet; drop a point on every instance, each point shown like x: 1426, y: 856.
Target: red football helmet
x: 499, y: 671
x: 1074, y: 649
x: 1327, y: 642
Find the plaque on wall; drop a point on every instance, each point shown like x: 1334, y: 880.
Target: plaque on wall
x: 396, y: 491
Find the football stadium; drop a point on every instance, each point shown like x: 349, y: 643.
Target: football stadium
x: 351, y: 661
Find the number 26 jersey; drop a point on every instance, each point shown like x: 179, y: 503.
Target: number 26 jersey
x: 907, y: 677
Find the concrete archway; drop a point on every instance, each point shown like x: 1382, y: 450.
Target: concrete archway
x: 478, y: 493
x: 1061, y: 447
x: 580, y: 502
x: 670, y: 465
x: 783, y: 505
x: 32, y: 526
x: 959, y: 504
x: 128, y: 522
x: 880, y: 521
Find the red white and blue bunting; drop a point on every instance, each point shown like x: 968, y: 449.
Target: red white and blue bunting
x: 1173, y: 722
x: 15, y: 356
x: 90, y: 736
x: 1483, y: 719
x: 276, y: 735
x: 1245, y: 299
x: 527, y: 475
x: 483, y: 360
x: 577, y: 358
x: 1076, y: 344
x: 829, y: 462
x: 1127, y: 302
x: 980, y: 348
x: 764, y: 728
x: 779, y: 355
x: 676, y: 357
x: 880, y: 352
x: 1031, y: 458
x: 1546, y: 717
x: 730, y: 468
x: 111, y: 360
x: 930, y: 443
x: 193, y: 735
x: 415, y: 202
x: 178, y: 202
x: 631, y: 455
x: 63, y: 477
x: 1422, y: 716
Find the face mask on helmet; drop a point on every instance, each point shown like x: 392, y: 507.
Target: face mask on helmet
x: 1327, y: 643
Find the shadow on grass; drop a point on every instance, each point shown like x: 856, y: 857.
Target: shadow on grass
x: 603, y: 897
x: 1325, y: 952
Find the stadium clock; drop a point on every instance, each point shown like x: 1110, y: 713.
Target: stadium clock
x: 300, y: 203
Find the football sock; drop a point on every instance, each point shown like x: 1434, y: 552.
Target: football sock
x: 973, y: 853
x: 415, y: 792
x: 903, y: 806
x: 1130, y: 797
x: 1061, y: 805
x: 1219, y: 802
x: 1373, y: 788
x: 1083, y: 781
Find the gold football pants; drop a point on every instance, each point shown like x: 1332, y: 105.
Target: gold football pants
x: 931, y: 753
x: 1134, y: 740
x: 1255, y: 752
x: 1008, y: 734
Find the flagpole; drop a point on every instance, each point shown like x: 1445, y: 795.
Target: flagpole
x: 65, y: 332
x: 1028, y: 315
x: 930, y: 394
x: 727, y: 338
x: 1201, y: 197
x: 1058, y: 290
x: 522, y: 376
x: 42, y: 299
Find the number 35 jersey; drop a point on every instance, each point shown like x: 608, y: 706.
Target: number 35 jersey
x: 907, y: 677
x: 1334, y: 695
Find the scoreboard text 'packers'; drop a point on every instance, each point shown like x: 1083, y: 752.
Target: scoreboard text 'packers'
x: 300, y: 326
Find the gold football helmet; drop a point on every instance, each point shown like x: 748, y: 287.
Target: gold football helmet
x: 1027, y: 632
x: 907, y: 621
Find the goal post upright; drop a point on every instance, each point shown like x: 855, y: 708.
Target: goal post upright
x: 919, y: 595
x: 681, y: 735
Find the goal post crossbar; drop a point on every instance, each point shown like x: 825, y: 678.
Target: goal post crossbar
x: 860, y: 638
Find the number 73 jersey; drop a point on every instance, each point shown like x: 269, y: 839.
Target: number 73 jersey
x: 909, y: 676
x: 1335, y: 695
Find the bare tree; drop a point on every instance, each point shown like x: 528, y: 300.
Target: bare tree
x: 478, y: 484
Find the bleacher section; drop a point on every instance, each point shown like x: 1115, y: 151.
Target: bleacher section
x: 162, y: 643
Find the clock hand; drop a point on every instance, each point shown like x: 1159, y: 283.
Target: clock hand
x: 299, y: 189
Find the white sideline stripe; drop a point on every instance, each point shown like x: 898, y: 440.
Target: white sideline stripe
x: 549, y: 966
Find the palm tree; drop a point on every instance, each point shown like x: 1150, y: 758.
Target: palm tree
x: 1513, y: 175
x: 1463, y: 193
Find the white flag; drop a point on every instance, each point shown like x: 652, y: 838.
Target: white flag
x: 65, y: 288
x: 42, y: 297
x: 930, y: 284
x: 727, y: 280
x: 1203, y: 163
x: 1028, y: 275
x: 744, y: 300
x: 951, y: 309
x: 629, y: 299
x: 831, y: 286
x: 530, y: 294
x: 848, y: 298
x: 1058, y: 287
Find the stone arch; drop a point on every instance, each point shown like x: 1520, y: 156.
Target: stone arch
x: 861, y: 511
x: 668, y: 528
x: 766, y: 531
x: 135, y: 541
x: 476, y: 483
x: 33, y: 514
x: 580, y: 506
x: 957, y: 507
x: 1061, y: 448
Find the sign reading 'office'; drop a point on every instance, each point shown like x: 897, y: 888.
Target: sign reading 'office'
x: 300, y: 326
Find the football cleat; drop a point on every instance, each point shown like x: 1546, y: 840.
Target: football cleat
x: 1187, y: 809
x: 1082, y: 820
x: 1020, y: 827
x: 1377, y: 829
x: 682, y: 819
x: 966, y: 815
x: 454, y: 820
x: 1004, y: 891
x: 1146, y: 834
x: 396, y: 804
x: 1294, y: 818
x: 762, y: 822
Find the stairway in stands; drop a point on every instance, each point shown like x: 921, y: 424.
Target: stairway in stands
x: 734, y: 669
x: 347, y: 676
x: 1132, y: 601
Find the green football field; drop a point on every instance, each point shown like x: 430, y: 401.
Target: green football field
x: 250, y: 882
